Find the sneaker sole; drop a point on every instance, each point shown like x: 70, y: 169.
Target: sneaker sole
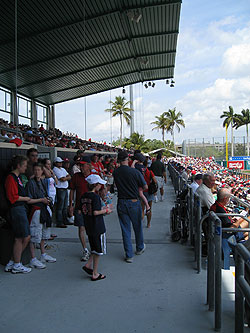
x: 129, y: 261
x: 18, y: 272
x: 141, y: 252
x: 50, y: 261
x: 8, y: 270
x: 33, y: 266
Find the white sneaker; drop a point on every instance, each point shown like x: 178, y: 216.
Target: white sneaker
x: 9, y: 266
x: 20, y: 269
x: 71, y: 219
x: 141, y: 252
x: 156, y: 199
x: 45, y: 257
x: 86, y: 255
x: 35, y: 263
x: 129, y: 260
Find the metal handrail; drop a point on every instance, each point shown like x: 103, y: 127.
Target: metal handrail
x: 214, y: 270
x: 242, y: 288
x: 198, y: 245
x: 243, y: 203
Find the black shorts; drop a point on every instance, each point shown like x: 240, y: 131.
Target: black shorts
x: 19, y: 222
x: 97, y: 244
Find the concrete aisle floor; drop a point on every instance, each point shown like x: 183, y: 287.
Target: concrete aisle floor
x: 159, y: 292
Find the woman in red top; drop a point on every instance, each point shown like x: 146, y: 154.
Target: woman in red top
x: 148, y: 175
x: 19, y: 221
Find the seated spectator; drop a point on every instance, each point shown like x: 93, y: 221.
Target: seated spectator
x: 197, y: 182
x: 223, y: 198
x: 205, y: 193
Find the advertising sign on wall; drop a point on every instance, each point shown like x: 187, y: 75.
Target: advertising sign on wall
x: 235, y: 165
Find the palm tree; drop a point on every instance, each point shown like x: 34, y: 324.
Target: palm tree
x: 161, y: 124
x: 230, y: 119
x: 243, y: 119
x: 120, y: 107
x: 135, y: 141
x: 174, y: 120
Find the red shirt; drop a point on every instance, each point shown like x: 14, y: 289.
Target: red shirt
x: 79, y: 184
x: 148, y: 175
x: 96, y: 167
x: 11, y: 189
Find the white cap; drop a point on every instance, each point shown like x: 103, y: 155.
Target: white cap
x: 94, y: 179
x: 58, y: 160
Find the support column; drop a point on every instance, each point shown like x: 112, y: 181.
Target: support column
x: 34, y: 123
x: 14, y: 108
x: 52, y: 114
x: 132, y: 113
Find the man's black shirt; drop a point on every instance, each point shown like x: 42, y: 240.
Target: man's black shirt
x: 127, y: 181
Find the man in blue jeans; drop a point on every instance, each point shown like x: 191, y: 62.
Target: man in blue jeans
x: 128, y: 180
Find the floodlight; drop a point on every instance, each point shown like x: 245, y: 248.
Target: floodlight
x: 167, y: 81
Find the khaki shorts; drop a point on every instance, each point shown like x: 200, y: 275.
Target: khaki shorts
x: 160, y: 181
x: 38, y: 231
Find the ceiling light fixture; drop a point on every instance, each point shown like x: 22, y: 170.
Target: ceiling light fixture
x: 167, y: 81
x: 146, y: 86
x: 134, y: 16
x: 153, y: 85
x: 123, y: 90
x: 149, y: 84
x: 144, y: 61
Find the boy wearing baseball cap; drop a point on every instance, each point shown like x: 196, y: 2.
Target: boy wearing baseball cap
x: 94, y: 225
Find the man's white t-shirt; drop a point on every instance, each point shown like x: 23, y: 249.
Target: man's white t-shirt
x: 194, y: 186
x: 206, y: 196
x: 61, y: 172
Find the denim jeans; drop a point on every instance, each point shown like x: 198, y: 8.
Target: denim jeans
x: 61, y: 205
x: 130, y: 212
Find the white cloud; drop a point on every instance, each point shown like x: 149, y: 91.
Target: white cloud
x: 236, y: 60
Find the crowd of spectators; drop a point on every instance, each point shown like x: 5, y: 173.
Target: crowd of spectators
x: 79, y: 191
x: 52, y: 137
x: 219, y: 190
x: 190, y: 166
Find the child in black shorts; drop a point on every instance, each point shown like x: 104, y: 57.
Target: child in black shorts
x: 94, y: 225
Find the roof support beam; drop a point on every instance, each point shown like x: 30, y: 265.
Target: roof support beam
x: 88, y: 19
x: 94, y: 47
x: 100, y: 80
x: 95, y: 67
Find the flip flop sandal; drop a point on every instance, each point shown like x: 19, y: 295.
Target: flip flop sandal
x: 100, y: 277
x: 87, y: 270
x: 52, y: 235
x: 148, y: 211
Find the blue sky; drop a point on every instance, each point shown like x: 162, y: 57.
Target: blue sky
x: 212, y: 72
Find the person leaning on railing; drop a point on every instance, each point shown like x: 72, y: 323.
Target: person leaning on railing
x: 223, y: 198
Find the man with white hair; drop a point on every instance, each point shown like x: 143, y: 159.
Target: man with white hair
x: 223, y: 198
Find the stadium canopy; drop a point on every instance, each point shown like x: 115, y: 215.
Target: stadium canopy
x: 65, y: 49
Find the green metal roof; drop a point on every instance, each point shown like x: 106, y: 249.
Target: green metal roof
x: 72, y: 48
